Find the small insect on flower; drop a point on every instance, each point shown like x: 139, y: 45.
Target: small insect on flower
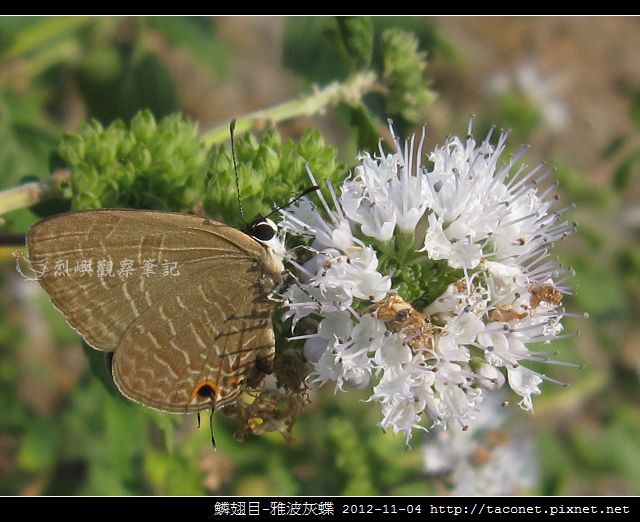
x: 402, y: 318
x: 544, y: 293
x: 430, y: 283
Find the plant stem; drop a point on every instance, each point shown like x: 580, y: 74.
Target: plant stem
x: 31, y: 193
x: 351, y: 91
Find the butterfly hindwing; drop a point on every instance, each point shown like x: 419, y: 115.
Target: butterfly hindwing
x: 185, y: 328
x: 192, y: 350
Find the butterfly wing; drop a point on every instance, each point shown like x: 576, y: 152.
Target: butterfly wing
x: 195, y: 348
x: 117, y: 310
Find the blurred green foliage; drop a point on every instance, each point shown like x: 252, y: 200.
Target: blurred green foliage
x: 71, y: 93
x: 323, y: 49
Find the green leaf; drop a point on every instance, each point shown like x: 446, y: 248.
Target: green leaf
x: 426, y: 30
x: 626, y: 170
x: 580, y: 189
x: 556, y: 464
x: 196, y: 34
x: 41, y: 32
x: 24, y: 145
x: 311, y: 49
x: 614, y: 146
x: 121, y: 84
x: 172, y: 474
x: 351, y: 457
x: 518, y: 111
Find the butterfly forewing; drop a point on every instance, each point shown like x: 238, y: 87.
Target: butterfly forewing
x: 188, y: 321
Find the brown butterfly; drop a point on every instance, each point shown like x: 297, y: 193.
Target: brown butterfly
x: 182, y: 302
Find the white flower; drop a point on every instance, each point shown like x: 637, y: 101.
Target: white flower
x: 525, y: 383
x: 490, y: 377
x: 459, y: 254
x: 478, y: 212
x: 488, y: 459
x: 386, y: 192
x: 466, y: 242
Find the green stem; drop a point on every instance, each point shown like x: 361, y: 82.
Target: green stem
x: 31, y: 193
x: 351, y: 91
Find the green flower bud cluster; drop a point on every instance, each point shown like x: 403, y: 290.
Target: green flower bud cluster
x: 148, y: 164
x: 270, y: 172
x: 417, y: 280
x: 403, y: 73
x: 422, y: 283
x: 164, y: 165
x: 356, y: 35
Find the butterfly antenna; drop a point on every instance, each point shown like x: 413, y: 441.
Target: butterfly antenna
x: 232, y: 128
x: 198, y: 420
x: 306, y: 191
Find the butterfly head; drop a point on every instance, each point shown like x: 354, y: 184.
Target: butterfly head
x: 265, y: 231
x: 262, y: 229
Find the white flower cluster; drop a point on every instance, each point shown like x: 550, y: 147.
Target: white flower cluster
x: 485, y: 226
x: 489, y: 459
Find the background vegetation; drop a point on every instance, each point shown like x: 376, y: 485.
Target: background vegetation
x: 567, y: 86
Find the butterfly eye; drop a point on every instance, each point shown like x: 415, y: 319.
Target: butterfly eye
x: 263, y: 230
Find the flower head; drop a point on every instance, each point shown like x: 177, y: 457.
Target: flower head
x: 431, y: 283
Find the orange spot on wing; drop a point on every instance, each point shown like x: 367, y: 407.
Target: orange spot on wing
x: 206, y: 389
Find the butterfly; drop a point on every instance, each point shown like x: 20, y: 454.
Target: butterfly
x: 183, y: 303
